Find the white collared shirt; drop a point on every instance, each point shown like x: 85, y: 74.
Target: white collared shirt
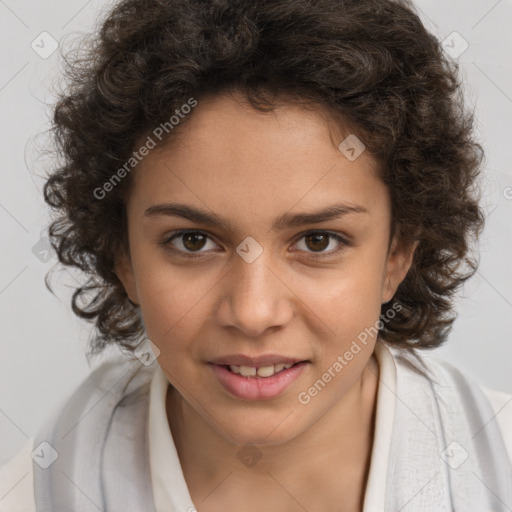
x: 170, y: 489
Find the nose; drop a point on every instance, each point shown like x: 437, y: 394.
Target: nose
x: 255, y: 297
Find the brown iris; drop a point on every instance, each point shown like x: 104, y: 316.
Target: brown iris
x: 319, y: 241
x: 194, y: 241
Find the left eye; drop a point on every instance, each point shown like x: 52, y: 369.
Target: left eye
x: 319, y: 241
x: 316, y: 243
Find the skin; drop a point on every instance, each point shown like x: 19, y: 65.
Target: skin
x: 249, y: 168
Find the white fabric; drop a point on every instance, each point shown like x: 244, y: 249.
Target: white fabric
x: 447, y: 452
x: 169, y: 486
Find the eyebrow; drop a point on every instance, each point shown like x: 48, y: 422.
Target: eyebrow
x: 286, y: 220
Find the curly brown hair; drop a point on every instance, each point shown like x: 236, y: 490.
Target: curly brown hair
x: 371, y: 64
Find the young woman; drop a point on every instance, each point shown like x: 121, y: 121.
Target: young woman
x: 275, y: 202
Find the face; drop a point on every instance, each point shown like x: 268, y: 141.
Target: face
x: 285, y: 253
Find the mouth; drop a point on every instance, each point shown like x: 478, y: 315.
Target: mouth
x: 258, y: 382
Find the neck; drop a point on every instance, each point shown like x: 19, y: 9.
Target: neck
x: 341, y: 439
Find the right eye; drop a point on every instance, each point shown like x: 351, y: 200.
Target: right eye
x: 188, y: 242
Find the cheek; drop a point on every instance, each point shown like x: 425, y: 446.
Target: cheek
x: 347, y: 299
x: 175, y: 302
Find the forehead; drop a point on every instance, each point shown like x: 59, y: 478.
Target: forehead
x: 229, y: 151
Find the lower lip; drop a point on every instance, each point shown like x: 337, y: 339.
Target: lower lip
x: 257, y: 388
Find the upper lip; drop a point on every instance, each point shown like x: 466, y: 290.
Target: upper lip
x: 264, y: 360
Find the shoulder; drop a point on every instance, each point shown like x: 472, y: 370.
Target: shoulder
x: 119, y: 378
x: 502, y: 407
x: 499, y: 403
x: 17, y: 481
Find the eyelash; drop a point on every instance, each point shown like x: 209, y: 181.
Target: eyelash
x: 343, y: 243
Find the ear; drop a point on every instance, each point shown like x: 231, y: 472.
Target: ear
x: 123, y: 269
x: 399, y: 262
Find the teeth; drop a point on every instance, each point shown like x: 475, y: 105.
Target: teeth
x: 262, y: 371
x: 265, y: 371
x: 247, y: 371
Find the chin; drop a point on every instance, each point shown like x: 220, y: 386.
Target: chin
x: 251, y: 428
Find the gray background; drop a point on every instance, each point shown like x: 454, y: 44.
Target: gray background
x: 42, y: 343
